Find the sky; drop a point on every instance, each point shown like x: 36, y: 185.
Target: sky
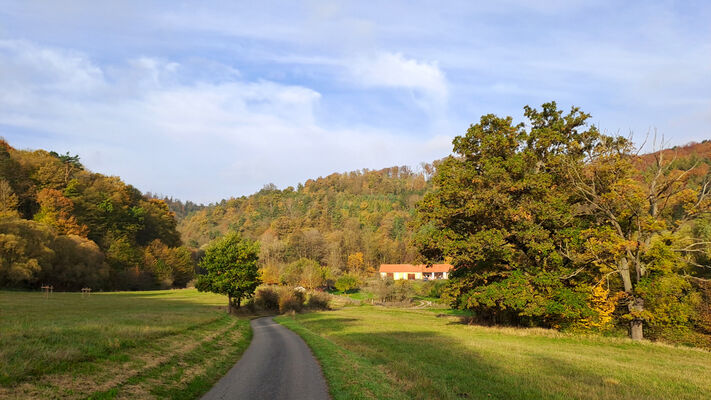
x: 208, y: 100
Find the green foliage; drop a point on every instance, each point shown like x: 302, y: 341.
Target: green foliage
x: 347, y: 283
x: 436, y: 288
x: 671, y: 304
x: 535, y: 217
x: 501, y: 210
x: 230, y: 268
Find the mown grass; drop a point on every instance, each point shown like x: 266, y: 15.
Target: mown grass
x: 161, y: 344
x: 377, y: 353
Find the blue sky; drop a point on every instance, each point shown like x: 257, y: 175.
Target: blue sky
x: 208, y: 100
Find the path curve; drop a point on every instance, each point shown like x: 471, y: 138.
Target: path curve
x: 277, y: 365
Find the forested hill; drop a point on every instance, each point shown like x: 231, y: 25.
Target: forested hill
x: 179, y: 208
x: 350, y: 221
x: 64, y: 226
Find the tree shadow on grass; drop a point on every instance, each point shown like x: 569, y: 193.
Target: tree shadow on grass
x: 431, y: 365
x: 319, y: 322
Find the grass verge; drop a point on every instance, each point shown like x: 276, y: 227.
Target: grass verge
x: 378, y: 353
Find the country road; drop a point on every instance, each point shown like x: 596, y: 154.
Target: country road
x: 276, y: 365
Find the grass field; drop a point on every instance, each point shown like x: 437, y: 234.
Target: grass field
x: 163, y: 344
x: 378, y: 353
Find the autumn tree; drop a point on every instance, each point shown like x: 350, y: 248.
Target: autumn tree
x: 171, y: 266
x: 8, y: 199
x: 55, y: 210
x: 645, y: 226
x: 25, y: 250
x: 356, y: 264
x: 70, y: 164
x: 230, y: 268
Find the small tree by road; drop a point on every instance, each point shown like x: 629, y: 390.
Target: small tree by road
x: 230, y: 268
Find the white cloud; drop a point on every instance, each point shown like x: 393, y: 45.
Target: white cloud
x: 148, y: 122
x: 48, y: 68
x: 393, y: 70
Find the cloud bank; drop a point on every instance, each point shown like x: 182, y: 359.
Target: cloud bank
x: 149, y: 121
x: 206, y: 100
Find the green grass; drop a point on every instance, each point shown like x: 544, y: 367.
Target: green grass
x: 378, y: 353
x: 161, y: 344
x: 355, y: 295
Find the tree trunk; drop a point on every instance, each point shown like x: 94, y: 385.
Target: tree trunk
x: 636, y: 307
x: 229, y: 304
x: 636, y: 330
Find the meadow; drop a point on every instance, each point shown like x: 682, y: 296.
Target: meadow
x: 160, y: 344
x: 371, y: 352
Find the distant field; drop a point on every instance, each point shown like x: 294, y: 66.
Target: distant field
x: 162, y: 344
x: 377, y: 353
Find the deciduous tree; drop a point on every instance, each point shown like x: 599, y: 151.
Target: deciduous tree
x: 230, y: 268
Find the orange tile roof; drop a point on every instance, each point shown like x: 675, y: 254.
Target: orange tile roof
x: 414, y: 268
x: 438, y: 268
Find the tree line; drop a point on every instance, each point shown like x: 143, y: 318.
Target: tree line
x: 341, y: 224
x: 548, y: 223
x: 65, y: 226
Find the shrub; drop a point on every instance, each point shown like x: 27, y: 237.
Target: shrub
x: 403, y: 291
x: 290, y: 300
x: 382, y: 289
x: 346, y: 283
x: 318, y: 301
x: 436, y: 288
x: 266, y: 298
x: 250, y: 305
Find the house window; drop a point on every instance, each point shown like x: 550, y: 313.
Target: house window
x: 390, y: 275
x: 411, y: 277
x: 439, y: 275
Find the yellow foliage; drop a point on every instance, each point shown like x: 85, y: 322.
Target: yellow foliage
x: 603, y: 305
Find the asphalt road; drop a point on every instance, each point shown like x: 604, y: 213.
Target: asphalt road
x: 276, y: 365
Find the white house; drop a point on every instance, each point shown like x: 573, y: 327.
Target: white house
x: 415, y: 272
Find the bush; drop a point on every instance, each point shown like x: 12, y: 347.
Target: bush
x: 266, y: 298
x: 290, y: 300
x: 382, y: 289
x: 347, y: 283
x: 436, y: 288
x: 318, y: 301
x: 403, y: 290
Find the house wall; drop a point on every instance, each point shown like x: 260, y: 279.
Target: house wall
x: 401, y: 275
x: 418, y: 275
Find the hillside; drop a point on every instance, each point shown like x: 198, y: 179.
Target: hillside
x: 348, y: 222
x: 68, y: 227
